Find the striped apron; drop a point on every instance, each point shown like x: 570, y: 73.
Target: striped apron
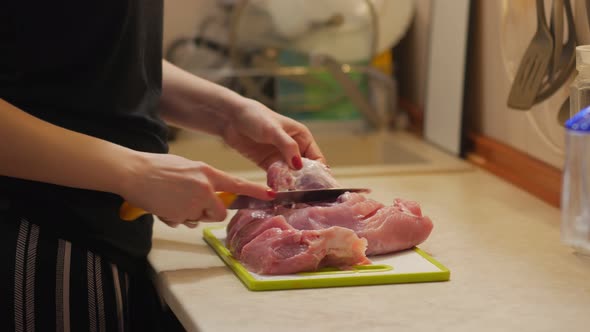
x: 49, y: 284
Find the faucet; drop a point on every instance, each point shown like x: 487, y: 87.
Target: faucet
x: 339, y: 72
x: 377, y: 120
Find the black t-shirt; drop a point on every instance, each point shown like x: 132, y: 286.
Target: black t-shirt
x: 93, y: 67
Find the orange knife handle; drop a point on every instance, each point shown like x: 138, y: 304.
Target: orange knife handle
x: 226, y: 198
x: 129, y: 212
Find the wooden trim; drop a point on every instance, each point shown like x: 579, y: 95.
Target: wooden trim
x: 516, y: 167
x: 415, y: 114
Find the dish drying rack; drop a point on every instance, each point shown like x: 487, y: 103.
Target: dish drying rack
x: 310, y: 87
x: 309, y: 93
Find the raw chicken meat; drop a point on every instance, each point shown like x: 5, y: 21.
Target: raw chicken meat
x: 306, y: 237
x: 313, y: 175
x: 387, y: 228
x: 268, y: 244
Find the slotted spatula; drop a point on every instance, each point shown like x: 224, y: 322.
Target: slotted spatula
x: 533, y: 66
x: 567, y: 59
x: 556, y: 28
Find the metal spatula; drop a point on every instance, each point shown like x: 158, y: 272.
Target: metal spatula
x: 567, y: 59
x: 556, y: 28
x: 564, y: 112
x: 533, y: 65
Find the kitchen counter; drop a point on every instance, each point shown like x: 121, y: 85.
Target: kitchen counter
x: 349, y: 154
x: 509, y: 271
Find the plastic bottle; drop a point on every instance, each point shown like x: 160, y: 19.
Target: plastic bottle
x: 575, y: 196
x: 580, y: 87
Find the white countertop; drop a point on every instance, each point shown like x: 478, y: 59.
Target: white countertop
x: 509, y: 271
x: 348, y: 154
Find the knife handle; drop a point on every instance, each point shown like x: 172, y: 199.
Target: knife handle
x: 129, y: 212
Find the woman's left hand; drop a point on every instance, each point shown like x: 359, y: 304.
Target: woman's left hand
x: 264, y: 136
x: 246, y: 125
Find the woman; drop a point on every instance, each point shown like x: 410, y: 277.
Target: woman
x: 84, y: 93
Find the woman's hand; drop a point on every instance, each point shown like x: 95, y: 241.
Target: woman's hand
x: 179, y: 190
x: 246, y: 125
x: 264, y: 136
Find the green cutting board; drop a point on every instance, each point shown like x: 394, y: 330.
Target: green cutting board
x: 408, y: 266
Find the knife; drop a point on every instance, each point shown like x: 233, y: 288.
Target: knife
x: 233, y: 201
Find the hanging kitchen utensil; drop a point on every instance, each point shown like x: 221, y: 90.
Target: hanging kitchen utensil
x: 564, y: 112
x: 557, y: 33
x: 567, y: 59
x: 533, y: 65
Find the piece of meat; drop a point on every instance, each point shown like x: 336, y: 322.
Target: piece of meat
x: 306, y: 237
x: 241, y: 218
x: 394, y: 228
x: 345, y: 212
x: 269, y: 245
x: 387, y: 228
x: 248, y: 231
x: 313, y: 175
x: 279, y: 251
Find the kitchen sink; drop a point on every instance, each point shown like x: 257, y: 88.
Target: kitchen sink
x: 368, y: 153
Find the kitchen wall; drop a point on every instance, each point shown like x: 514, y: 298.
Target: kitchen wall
x: 182, y: 17
x: 501, y: 32
x: 410, y: 56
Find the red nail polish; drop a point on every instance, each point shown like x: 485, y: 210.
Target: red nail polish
x: 271, y: 193
x: 297, y: 162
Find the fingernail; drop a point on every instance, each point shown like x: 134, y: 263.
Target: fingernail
x: 297, y: 162
x: 271, y: 193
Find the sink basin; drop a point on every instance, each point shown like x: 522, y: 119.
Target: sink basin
x: 347, y: 154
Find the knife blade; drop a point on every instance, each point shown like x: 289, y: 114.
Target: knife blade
x: 293, y: 197
x: 232, y: 201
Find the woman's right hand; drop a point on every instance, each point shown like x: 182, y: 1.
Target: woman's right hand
x: 178, y: 190
x: 174, y: 188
